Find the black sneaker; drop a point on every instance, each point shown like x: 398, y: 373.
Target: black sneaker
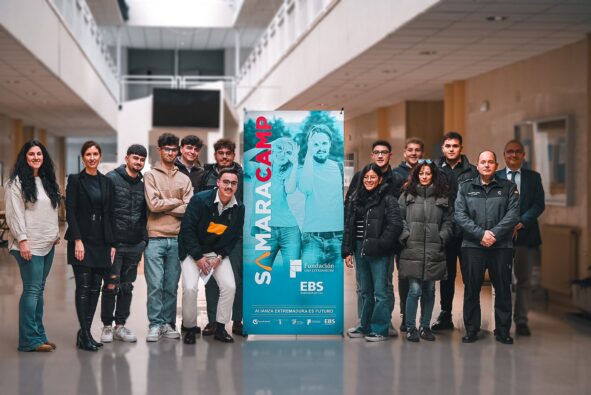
x: 470, y: 337
x: 503, y: 337
x: 522, y: 330
x: 221, y: 334
x: 426, y: 334
x: 189, y: 335
x: 403, y: 323
x: 443, y: 322
x: 412, y: 335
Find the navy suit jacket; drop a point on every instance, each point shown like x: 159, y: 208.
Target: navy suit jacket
x: 531, y: 206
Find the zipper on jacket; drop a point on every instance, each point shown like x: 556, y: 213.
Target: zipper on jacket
x: 424, y: 234
x: 365, y: 232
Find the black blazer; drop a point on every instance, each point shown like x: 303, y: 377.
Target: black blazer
x: 531, y: 206
x: 79, y: 208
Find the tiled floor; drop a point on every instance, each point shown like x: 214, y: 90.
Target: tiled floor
x: 555, y: 360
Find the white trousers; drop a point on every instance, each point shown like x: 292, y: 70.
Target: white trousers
x: 223, y: 275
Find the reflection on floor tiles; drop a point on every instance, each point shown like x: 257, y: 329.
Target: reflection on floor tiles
x: 556, y: 359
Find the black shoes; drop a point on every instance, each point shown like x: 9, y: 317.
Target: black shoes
x: 221, y: 334
x: 426, y: 334
x: 443, y: 322
x: 196, y: 329
x: 522, y: 330
x: 237, y: 328
x: 209, y: 329
x: 83, y: 341
x: 470, y: 337
x: 403, y: 323
x: 413, y: 335
x: 190, y: 334
x: 503, y: 337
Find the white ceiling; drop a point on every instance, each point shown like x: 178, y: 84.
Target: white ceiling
x: 464, y: 43
x: 257, y: 13
x: 29, y: 91
x: 172, y: 38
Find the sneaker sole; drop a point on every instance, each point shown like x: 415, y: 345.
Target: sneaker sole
x: 172, y: 337
x: 355, y: 335
x: 376, y: 339
x: 124, y: 340
x: 103, y: 340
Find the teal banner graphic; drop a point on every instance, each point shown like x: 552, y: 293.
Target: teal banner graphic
x: 293, y: 229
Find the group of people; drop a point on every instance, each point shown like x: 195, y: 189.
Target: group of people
x: 423, y: 216
x: 187, y: 218
x: 181, y: 216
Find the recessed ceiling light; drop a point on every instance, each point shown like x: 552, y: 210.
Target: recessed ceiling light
x: 428, y: 53
x: 496, y: 18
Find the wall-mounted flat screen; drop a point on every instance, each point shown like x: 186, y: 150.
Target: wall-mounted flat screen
x: 186, y: 108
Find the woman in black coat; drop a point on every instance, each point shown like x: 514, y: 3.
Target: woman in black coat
x: 427, y: 217
x: 89, y: 235
x: 372, y: 225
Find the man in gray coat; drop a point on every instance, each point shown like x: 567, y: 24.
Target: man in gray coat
x: 487, y: 211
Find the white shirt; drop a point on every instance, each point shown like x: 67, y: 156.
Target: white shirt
x: 221, y: 208
x: 517, y: 177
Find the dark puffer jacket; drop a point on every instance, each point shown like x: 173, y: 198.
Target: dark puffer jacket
x: 129, y: 207
x: 427, y: 227
x: 383, y: 223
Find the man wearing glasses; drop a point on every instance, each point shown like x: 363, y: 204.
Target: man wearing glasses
x: 210, y: 230
x: 224, y: 153
x: 168, y: 192
x: 526, y: 235
x: 381, y: 153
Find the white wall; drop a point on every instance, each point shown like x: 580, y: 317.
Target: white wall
x: 135, y: 123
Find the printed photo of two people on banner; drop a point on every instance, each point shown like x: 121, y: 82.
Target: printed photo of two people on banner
x: 293, y: 228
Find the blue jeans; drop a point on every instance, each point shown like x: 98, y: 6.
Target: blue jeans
x: 288, y: 240
x: 425, y: 290
x: 372, y: 275
x: 163, y: 271
x: 31, y: 332
x: 321, y: 249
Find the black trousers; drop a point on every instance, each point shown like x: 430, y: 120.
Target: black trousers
x: 499, y: 264
x: 447, y: 288
x: 402, y: 287
x: 118, y: 284
x: 88, y: 288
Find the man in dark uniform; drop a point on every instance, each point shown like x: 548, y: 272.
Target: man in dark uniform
x: 457, y: 168
x: 487, y: 211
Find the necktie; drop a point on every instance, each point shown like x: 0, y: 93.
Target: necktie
x: 512, y: 176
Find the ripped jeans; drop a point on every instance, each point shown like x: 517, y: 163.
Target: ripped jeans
x: 118, y: 284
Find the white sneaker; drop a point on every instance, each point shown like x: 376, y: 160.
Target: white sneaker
x: 107, y: 334
x: 123, y: 334
x: 355, y: 332
x: 169, y: 333
x: 154, y: 334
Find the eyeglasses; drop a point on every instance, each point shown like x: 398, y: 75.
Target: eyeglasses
x: 228, y: 183
x: 514, y: 152
x: 427, y: 161
x: 378, y: 153
x: 170, y: 149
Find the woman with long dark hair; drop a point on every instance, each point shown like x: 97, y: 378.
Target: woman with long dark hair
x: 89, y: 235
x: 427, y: 218
x: 32, y: 201
x: 372, y: 224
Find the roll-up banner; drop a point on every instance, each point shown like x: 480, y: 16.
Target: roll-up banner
x: 293, y: 228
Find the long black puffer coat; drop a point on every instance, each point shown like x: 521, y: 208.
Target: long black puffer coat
x: 383, y: 224
x: 427, y: 226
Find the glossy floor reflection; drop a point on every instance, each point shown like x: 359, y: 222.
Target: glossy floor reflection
x: 556, y: 359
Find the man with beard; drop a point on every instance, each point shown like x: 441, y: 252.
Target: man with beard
x: 210, y: 228
x: 321, y: 181
x: 458, y: 169
x: 224, y: 153
x: 188, y: 161
x: 130, y: 235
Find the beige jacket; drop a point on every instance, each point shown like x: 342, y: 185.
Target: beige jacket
x: 167, y: 194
